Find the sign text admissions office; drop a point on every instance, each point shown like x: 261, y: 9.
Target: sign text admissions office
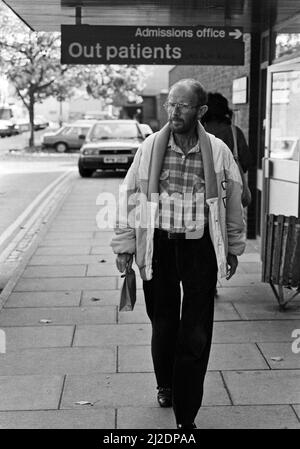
x: 201, y: 45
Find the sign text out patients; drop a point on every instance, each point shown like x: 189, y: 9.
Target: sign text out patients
x: 137, y: 50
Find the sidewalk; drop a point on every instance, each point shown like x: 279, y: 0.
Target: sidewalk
x: 88, y: 351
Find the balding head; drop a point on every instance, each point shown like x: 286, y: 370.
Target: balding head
x: 195, y: 87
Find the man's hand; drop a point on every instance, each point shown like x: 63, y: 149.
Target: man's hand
x: 124, y: 261
x: 232, y: 262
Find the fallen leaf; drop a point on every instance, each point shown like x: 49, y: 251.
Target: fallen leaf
x: 95, y: 299
x: 45, y: 321
x: 84, y: 403
x: 102, y: 260
x: 277, y: 359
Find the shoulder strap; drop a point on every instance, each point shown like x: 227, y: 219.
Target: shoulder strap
x: 235, y: 147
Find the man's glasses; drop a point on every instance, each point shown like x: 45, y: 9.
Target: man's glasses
x: 183, y: 107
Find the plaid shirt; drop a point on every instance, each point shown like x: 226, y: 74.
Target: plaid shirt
x: 182, y: 205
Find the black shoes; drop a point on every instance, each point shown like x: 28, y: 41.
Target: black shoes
x: 187, y: 426
x: 164, y: 397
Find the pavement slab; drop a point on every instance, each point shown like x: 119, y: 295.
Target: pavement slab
x: 253, y: 331
x: 69, y: 235
x: 63, y: 250
x: 55, y: 271
x: 112, y: 334
x: 58, y: 316
x: 249, y: 268
x: 67, y: 283
x: 280, y: 355
x: 135, y: 389
x: 257, y: 310
x: 58, y: 361
x: 109, y: 297
x: 59, y: 419
x: 263, y: 387
x: 43, y: 299
x: 240, y: 356
x: 68, y: 260
x: 258, y: 292
x: 217, y: 417
x: 38, y: 336
x: 30, y: 392
x: 241, y: 280
x: 223, y: 312
x: 297, y: 410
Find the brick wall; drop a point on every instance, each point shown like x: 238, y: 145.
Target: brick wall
x: 219, y: 79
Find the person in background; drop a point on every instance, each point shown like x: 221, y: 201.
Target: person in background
x: 217, y: 121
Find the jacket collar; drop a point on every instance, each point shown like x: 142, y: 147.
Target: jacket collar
x: 160, y: 144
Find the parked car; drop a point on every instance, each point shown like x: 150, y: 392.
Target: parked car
x: 110, y: 144
x: 40, y: 122
x: 146, y: 129
x: 70, y: 136
x: 7, y: 122
x: 97, y: 115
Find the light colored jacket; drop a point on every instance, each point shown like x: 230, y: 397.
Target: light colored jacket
x: 223, y: 188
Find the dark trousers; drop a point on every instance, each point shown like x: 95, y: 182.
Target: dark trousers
x: 180, y: 345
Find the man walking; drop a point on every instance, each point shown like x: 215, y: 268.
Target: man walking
x: 193, y: 229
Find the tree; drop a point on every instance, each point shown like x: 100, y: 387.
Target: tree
x: 31, y: 62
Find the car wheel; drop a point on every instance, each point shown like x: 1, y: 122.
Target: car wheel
x: 61, y: 147
x: 84, y: 172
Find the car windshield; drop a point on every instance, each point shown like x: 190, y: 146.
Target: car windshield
x: 114, y: 130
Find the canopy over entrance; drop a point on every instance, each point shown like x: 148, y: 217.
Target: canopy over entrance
x: 252, y: 15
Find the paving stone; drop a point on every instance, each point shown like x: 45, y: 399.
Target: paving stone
x: 290, y: 360
x: 249, y: 267
x: 241, y: 280
x: 63, y: 250
x: 145, y: 418
x: 30, y: 392
x: 268, y: 387
x: 253, y: 331
x: 59, y: 361
x: 38, y: 337
x: 69, y: 235
x: 225, y: 311
x: 223, y: 357
x: 54, y: 271
x: 257, y: 310
x: 259, y: 292
x: 250, y: 257
x: 138, y: 315
x: 69, y: 243
x: 109, y: 297
x: 217, y: 417
x: 59, y: 419
x: 43, y: 299
x: 70, y: 283
x: 72, y: 260
x: 135, y: 389
x: 112, y: 334
x: 58, y: 316
x: 297, y: 410
x: 247, y: 417
x: 104, y: 249
x: 102, y: 269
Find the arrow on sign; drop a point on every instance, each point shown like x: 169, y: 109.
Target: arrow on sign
x: 236, y: 34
